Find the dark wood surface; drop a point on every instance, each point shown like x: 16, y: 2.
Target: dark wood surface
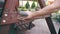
x: 10, y: 10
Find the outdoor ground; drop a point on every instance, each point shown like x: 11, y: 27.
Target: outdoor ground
x: 41, y: 27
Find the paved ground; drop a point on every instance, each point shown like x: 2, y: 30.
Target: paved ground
x: 41, y: 27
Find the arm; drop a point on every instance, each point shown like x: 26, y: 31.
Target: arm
x: 46, y: 10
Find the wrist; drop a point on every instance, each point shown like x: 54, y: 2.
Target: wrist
x: 34, y: 14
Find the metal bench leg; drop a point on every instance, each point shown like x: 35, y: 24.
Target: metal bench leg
x: 50, y: 25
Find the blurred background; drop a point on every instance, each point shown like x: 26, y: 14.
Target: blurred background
x: 40, y: 24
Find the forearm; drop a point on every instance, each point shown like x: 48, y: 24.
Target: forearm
x: 46, y: 10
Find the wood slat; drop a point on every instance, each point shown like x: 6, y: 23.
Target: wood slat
x: 10, y: 11
x: 10, y: 6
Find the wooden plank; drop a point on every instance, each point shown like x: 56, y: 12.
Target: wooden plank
x: 9, y: 13
x: 4, y: 29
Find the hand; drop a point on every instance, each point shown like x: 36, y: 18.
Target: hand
x: 29, y: 15
x: 26, y: 19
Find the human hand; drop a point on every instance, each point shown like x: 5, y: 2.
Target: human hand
x: 30, y: 16
x: 26, y: 19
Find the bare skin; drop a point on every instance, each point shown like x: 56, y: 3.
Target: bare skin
x: 46, y: 10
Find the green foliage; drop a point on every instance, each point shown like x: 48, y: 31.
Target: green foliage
x: 27, y: 5
x: 33, y: 5
x: 22, y: 8
x: 32, y: 0
x: 35, y: 0
x: 57, y: 18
